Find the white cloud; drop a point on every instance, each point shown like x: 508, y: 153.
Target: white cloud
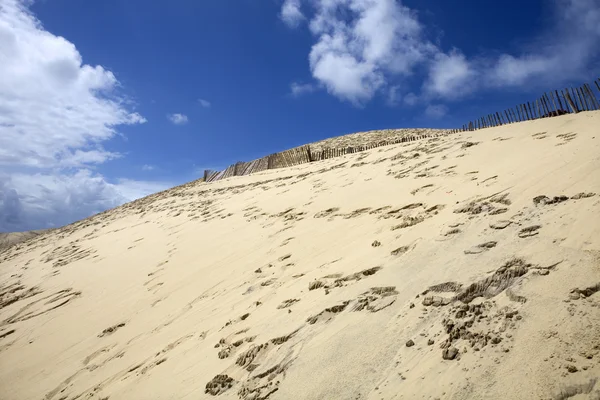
x: 204, y: 103
x: 450, y: 76
x: 436, y: 111
x: 45, y: 200
x: 298, y: 89
x: 360, y: 44
x: 565, y: 51
x: 367, y: 47
x: 54, y: 110
x: 147, y: 167
x: 55, y: 114
x: 291, y: 14
x: 178, y: 119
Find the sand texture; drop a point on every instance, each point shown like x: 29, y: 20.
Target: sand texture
x: 364, y: 138
x: 12, y: 238
x: 457, y: 267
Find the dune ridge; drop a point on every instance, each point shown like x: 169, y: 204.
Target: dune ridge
x: 464, y: 266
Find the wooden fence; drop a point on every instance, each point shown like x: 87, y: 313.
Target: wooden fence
x: 297, y: 156
x: 551, y: 104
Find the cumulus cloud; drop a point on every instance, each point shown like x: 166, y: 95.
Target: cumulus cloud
x: 204, y: 103
x: 291, y: 14
x: 367, y: 47
x: 55, y: 111
x: 55, y: 114
x: 361, y: 43
x: 298, y: 89
x: 178, y: 119
x: 44, y: 200
x: 450, y: 75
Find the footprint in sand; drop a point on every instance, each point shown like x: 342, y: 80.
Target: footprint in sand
x: 480, y: 248
x: 529, y: 231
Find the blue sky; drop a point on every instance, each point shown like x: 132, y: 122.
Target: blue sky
x: 102, y: 102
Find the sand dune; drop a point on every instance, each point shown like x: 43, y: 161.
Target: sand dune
x: 365, y: 138
x: 12, y: 238
x: 458, y: 267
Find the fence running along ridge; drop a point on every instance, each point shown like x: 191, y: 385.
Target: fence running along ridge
x: 300, y: 155
x: 551, y: 104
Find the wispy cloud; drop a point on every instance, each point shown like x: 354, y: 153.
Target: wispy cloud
x: 410, y: 99
x: 291, y: 14
x: 178, y: 119
x: 204, y: 103
x: 148, y: 167
x: 436, y: 111
x: 298, y: 89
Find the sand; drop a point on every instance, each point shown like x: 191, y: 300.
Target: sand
x: 457, y: 267
x: 12, y: 238
x: 369, y: 137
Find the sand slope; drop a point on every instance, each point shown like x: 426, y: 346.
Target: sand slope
x: 427, y: 270
x: 12, y: 238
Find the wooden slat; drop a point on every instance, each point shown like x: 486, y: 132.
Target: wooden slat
x: 585, y: 98
x: 592, y: 96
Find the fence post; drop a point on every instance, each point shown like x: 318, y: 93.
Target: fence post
x: 592, y: 96
x: 569, y: 101
x: 523, y: 113
x: 559, y: 102
x: 545, y: 107
x: 573, y: 96
x: 547, y: 103
x: 585, y: 99
x: 581, y: 100
x: 551, y: 98
x: 580, y: 103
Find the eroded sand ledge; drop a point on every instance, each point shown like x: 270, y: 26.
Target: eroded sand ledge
x: 459, y: 267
